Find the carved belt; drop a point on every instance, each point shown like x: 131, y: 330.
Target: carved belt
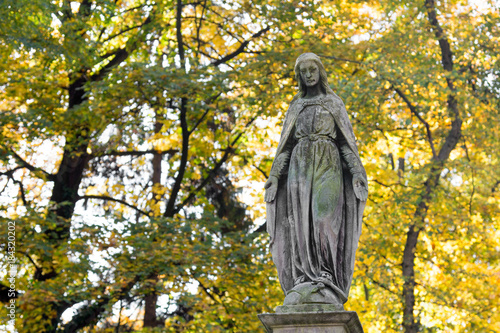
x: 316, y: 137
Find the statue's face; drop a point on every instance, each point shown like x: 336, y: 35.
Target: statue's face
x: 309, y: 72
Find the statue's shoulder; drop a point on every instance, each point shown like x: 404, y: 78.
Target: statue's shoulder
x: 292, y: 110
x: 333, y: 101
x: 295, y: 100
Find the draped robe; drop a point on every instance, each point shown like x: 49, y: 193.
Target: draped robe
x: 315, y: 219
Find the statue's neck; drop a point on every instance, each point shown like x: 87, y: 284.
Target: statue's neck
x: 312, y: 92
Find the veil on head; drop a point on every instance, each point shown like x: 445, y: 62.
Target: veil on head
x: 325, y: 88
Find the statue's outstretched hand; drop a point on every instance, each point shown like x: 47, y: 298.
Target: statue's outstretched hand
x: 360, y: 186
x: 271, y: 187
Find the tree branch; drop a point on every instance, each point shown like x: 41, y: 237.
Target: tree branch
x: 229, y: 151
x: 84, y: 9
x: 495, y: 186
x: 446, y: 55
x: 4, y: 294
x: 31, y: 259
x: 198, y: 26
x: 108, y: 198
x: 126, y: 30
x: 21, y: 190
x: 261, y: 171
x: 136, y: 153
x: 198, y: 122
x: 120, y: 55
x: 91, y: 313
x: 38, y: 172
x: 472, y: 178
x: 380, y: 284
x: 207, y: 292
x: 260, y: 229
x: 209, y: 100
x: 170, y: 208
x: 178, y: 29
x: 9, y: 173
x: 413, y: 110
x: 241, y: 48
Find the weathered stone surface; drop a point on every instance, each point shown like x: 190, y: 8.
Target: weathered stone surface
x: 312, y: 322
x: 316, y: 193
x: 312, y: 293
x: 309, y: 308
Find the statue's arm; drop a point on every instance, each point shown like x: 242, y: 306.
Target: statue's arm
x: 279, y: 168
x: 359, y: 181
x: 281, y: 161
x: 280, y: 164
x: 350, y: 158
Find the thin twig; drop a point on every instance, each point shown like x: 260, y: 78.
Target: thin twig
x: 30, y: 167
x: 413, y: 110
x: 108, y: 198
x: 261, y: 171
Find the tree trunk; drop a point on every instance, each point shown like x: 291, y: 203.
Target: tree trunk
x: 410, y: 323
x: 150, y: 302
x: 151, y: 298
x: 64, y: 197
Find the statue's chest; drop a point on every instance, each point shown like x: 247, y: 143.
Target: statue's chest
x: 314, y: 119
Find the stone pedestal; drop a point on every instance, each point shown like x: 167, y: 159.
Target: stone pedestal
x: 312, y: 322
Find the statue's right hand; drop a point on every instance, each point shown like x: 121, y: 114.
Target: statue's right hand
x: 271, y: 187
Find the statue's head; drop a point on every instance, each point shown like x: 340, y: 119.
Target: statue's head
x: 311, y: 58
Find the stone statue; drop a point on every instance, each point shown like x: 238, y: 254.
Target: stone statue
x: 315, y: 194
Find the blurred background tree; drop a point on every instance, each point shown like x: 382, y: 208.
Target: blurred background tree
x: 136, y: 136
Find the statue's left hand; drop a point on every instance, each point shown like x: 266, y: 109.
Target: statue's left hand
x: 360, y: 186
x: 271, y: 187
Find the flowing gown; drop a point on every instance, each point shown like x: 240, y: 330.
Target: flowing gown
x: 315, y: 219
x: 315, y: 196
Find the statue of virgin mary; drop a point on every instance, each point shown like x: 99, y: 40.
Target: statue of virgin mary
x: 316, y: 193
